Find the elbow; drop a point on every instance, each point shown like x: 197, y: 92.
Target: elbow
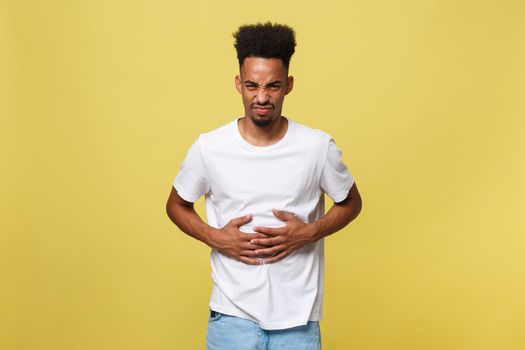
x: 170, y: 211
x: 359, y: 206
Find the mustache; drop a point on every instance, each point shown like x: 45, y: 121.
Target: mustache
x: 253, y: 105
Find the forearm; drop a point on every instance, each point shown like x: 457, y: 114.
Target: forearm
x: 339, y: 215
x: 282, y: 241
x: 189, y: 222
x: 228, y: 240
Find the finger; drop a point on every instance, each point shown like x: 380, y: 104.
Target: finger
x: 249, y: 236
x: 271, y: 251
x: 272, y: 231
x: 277, y: 257
x: 252, y: 255
x: 267, y: 242
x: 251, y: 261
x: 251, y: 246
x: 283, y: 215
x: 249, y: 253
x: 241, y: 220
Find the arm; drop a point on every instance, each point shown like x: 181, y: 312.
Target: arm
x: 229, y: 240
x: 339, y: 215
x: 296, y: 234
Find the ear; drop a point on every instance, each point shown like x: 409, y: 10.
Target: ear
x: 289, y: 85
x: 238, y: 84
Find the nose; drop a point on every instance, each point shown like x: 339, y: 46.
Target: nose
x: 262, y: 96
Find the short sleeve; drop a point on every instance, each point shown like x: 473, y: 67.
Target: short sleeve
x: 336, y: 180
x: 192, y: 182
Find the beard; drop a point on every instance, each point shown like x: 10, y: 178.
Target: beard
x: 261, y: 122
x: 264, y: 121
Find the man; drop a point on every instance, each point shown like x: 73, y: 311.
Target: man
x: 264, y: 177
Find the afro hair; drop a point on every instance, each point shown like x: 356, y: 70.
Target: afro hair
x: 265, y: 40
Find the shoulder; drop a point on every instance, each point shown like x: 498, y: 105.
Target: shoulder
x: 217, y: 135
x: 312, y: 136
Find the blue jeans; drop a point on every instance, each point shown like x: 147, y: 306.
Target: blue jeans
x: 227, y: 332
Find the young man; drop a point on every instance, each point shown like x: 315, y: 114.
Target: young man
x: 264, y: 176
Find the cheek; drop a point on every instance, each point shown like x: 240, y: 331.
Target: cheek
x: 246, y: 99
x: 278, y: 100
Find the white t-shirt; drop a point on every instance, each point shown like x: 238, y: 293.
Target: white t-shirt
x: 239, y: 178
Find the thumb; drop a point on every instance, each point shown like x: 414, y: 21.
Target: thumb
x: 241, y: 220
x: 283, y: 215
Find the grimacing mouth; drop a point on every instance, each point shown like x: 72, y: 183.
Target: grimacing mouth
x: 266, y: 106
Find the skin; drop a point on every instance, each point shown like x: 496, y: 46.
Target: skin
x: 257, y: 127
x: 263, y: 83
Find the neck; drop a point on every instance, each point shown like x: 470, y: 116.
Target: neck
x: 262, y: 136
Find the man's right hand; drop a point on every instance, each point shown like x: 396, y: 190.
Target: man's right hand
x: 235, y: 244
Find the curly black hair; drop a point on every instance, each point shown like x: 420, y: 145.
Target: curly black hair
x: 265, y: 40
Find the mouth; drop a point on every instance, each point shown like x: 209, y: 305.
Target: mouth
x: 262, y: 110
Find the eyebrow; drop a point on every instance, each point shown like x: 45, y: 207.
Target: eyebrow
x: 270, y: 83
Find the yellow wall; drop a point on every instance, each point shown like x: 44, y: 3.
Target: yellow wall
x: 101, y: 99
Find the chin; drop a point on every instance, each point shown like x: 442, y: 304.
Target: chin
x: 261, y: 122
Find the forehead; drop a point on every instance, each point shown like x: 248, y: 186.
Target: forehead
x: 262, y: 69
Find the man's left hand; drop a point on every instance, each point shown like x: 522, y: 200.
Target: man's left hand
x: 284, y: 240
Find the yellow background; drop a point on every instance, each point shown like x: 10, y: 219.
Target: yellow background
x: 99, y: 101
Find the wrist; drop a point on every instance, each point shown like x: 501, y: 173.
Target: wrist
x: 315, y: 232
x: 209, y: 237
